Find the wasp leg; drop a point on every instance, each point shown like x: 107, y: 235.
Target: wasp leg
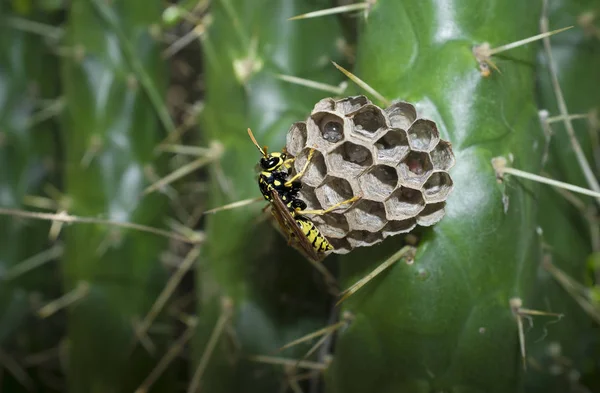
x: 329, y: 209
x: 288, y: 163
x: 301, y: 173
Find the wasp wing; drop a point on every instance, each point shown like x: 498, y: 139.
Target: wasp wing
x: 287, y: 222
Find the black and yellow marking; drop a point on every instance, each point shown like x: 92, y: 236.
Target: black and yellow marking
x: 318, y: 242
x: 291, y: 228
x: 286, y: 207
x: 285, y: 204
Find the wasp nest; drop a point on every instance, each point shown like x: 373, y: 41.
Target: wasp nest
x: 396, y: 161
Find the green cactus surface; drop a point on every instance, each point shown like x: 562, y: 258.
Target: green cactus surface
x: 566, y: 236
x: 111, y: 131
x: 444, y: 323
x: 26, y: 158
x: 104, y: 102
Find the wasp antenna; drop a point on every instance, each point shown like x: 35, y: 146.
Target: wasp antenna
x: 260, y: 149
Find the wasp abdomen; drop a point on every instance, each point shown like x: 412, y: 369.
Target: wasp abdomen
x: 315, y: 237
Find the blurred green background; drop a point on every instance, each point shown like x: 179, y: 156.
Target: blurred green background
x: 123, y: 121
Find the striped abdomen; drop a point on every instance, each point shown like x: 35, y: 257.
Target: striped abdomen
x: 317, y: 240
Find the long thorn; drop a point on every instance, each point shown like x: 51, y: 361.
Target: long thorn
x: 172, y: 353
x: 126, y: 46
x: 483, y: 52
x: 570, y: 197
x: 574, y: 289
x: 362, y: 84
x: 312, y: 349
x: 310, y: 336
x: 499, y: 165
x: 554, y: 119
x: 525, y: 41
x: 15, y: 369
x: 79, y: 292
x: 515, y: 305
x: 185, y: 150
x: 288, y: 362
x: 332, y: 11
x: 185, y: 40
x: 406, y: 251
x: 226, y: 314
x: 337, y: 90
x: 30, y: 26
x: 34, y: 262
x: 167, y: 291
x: 216, y: 153
x: 40, y: 202
x: 54, y: 108
x: 66, y: 218
x: 234, y: 205
x: 547, y: 130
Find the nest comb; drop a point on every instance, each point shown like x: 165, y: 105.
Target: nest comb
x: 396, y: 161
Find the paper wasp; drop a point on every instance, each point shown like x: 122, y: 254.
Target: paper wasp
x: 287, y: 208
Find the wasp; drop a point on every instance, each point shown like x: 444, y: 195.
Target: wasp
x: 287, y: 208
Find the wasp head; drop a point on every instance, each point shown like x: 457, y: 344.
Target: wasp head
x: 272, y: 162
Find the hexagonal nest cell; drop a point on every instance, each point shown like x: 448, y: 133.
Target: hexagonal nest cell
x: 364, y: 238
x: 401, y: 114
x: 333, y: 190
x: 350, y: 159
x: 392, y: 146
x: 442, y: 156
x: 333, y: 225
x: 366, y: 215
x: 368, y: 120
x: 316, y: 171
x: 308, y: 195
x: 341, y: 246
x: 394, y: 160
x: 432, y: 214
x: 415, y: 169
x: 404, y: 203
x: 351, y: 104
x: 437, y: 187
x: 378, y: 182
x: 330, y: 125
x: 423, y: 135
x: 296, y: 138
x: 397, y: 227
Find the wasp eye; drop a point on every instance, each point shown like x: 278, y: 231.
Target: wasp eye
x: 264, y: 163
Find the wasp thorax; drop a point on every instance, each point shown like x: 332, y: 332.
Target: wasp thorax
x: 396, y: 161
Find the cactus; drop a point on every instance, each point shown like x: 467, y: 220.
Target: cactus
x: 432, y: 146
x: 111, y: 130
x: 450, y: 319
x: 444, y: 323
x: 26, y: 165
x: 565, y: 228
